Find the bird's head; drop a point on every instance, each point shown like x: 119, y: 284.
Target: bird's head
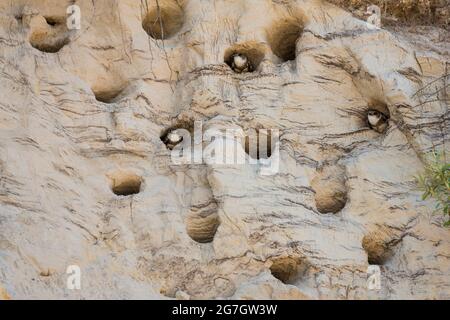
x: 240, y: 60
x: 174, y: 137
x: 373, y: 10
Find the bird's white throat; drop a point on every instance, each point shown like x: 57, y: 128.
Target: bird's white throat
x: 174, y: 137
x: 240, y: 61
x: 374, y: 119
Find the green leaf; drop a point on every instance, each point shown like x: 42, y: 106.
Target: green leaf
x: 434, y: 182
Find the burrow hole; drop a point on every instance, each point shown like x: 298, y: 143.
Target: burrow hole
x: 178, y: 133
x: 19, y: 17
x: 377, y: 116
x: 330, y: 189
x: 125, y: 183
x: 288, y: 269
x: 283, y: 36
x: 46, y: 272
x: 168, y: 292
x: 164, y: 19
x: 202, y: 222
x: 110, y: 95
x: 379, y: 246
x: 244, y: 57
x: 50, y: 34
x: 260, y: 143
x: 54, y: 21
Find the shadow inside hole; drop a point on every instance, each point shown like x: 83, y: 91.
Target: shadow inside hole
x: 50, y: 37
x: 54, y: 21
x: 283, y: 36
x: 163, y: 19
x: 108, y: 96
x: 125, y: 184
x: 40, y: 42
x: 50, y: 47
x: 288, y: 270
x: 259, y: 144
x: 379, y: 249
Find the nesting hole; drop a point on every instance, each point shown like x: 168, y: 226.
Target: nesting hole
x: 19, y: 17
x: 377, y: 116
x: 163, y: 20
x: 50, y: 34
x: 330, y: 189
x: 182, y: 129
x: 46, y: 273
x: 125, y: 183
x: 108, y: 95
x: 53, y: 21
x: 252, y: 51
x: 39, y: 41
x: 379, y: 246
x: 202, y: 223
x: 283, y: 36
x: 260, y: 143
x: 288, y: 269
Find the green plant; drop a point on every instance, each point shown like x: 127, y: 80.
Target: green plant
x: 435, y: 182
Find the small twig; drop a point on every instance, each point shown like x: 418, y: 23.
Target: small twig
x: 145, y: 6
x: 122, y: 34
x: 163, y: 46
x: 444, y: 77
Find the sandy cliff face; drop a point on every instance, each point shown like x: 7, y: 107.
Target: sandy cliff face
x: 87, y: 180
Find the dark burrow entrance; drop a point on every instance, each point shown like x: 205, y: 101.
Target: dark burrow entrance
x: 260, y: 143
x: 283, y: 36
x: 108, y: 96
x: 379, y: 246
x: 52, y: 38
x: 244, y: 57
x: 125, y: 183
x: 164, y: 19
x: 288, y: 269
